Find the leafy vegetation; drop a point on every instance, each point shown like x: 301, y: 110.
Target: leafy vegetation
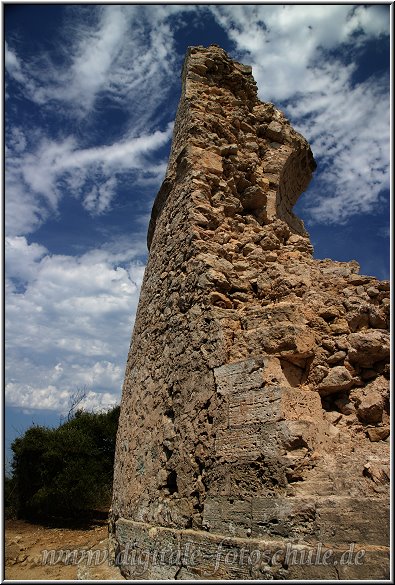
x: 66, y: 471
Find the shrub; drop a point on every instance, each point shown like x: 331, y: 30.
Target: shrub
x: 67, y: 471
x: 10, y: 502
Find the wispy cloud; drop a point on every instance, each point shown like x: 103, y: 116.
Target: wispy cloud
x: 298, y: 55
x: 98, y: 200
x: 13, y: 65
x: 121, y: 53
x: 68, y: 321
x: 126, y: 54
x: 349, y: 131
x: 37, y: 176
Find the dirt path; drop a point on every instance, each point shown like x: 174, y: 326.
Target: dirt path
x: 25, y: 558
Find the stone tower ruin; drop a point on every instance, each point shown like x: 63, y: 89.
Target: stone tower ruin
x: 253, y: 435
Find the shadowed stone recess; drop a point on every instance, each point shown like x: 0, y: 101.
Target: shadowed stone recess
x: 254, y: 425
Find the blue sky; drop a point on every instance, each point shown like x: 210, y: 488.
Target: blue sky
x: 91, y: 93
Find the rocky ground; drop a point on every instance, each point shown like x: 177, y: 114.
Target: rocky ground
x: 25, y: 559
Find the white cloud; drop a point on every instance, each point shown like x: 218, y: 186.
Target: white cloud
x: 13, y: 65
x: 27, y: 396
x: 95, y: 54
x: 21, y: 260
x: 35, y: 177
x: 286, y: 42
x: 122, y: 52
x: 98, y: 200
x: 32, y: 398
x: 18, y: 139
x: 297, y: 53
x: 70, y: 326
x: 351, y: 140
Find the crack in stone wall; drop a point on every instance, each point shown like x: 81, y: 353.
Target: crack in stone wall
x: 256, y: 395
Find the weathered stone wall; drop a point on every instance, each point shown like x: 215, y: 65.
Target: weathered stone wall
x: 255, y: 407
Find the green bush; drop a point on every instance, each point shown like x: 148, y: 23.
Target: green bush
x: 67, y: 471
x: 10, y: 501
